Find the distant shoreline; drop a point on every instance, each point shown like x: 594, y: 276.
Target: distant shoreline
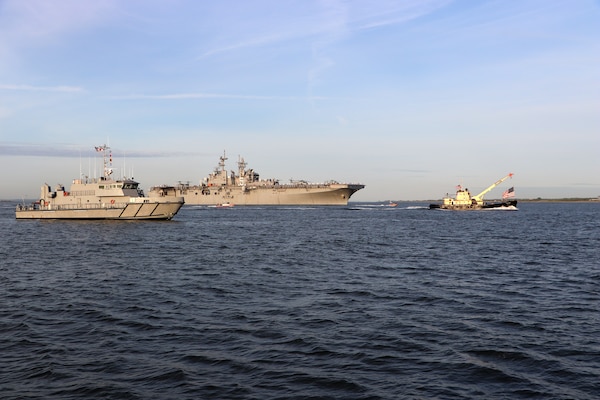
x: 567, y: 200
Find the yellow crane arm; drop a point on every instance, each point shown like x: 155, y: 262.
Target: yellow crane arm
x: 479, y: 197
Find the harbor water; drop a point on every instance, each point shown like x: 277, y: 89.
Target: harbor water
x: 358, y: 302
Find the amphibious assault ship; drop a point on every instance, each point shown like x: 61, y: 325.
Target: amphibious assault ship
x: 464, y: 200
x: 245, y: 188
x: 101, y: 198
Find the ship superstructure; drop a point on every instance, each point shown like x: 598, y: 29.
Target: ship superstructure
x: 245, y: 187
x: 101, y: 198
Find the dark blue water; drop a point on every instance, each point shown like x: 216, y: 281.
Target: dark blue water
x: 279, y: 303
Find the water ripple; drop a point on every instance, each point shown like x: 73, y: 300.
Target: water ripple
x: 304, y: 303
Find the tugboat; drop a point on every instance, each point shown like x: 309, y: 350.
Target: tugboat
x: 102, y: 198
x: 464, y: 200
x: 246, y: 188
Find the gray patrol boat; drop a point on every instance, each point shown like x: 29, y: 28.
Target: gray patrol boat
x: 102, y: 198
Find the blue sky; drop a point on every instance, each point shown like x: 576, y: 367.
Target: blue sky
x: 409, y: 97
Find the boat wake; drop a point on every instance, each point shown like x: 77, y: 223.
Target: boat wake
x: 509, y: 208
x: 386, y: 207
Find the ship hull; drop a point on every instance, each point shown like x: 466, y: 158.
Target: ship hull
x: 129, y: 211
x: 322, y: 195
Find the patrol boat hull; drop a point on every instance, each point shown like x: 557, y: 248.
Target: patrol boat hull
x: 245, y: 188
x: 102, y: 198
x: 152, y: 209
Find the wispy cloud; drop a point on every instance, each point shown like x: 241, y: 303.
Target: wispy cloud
x: 332, y: 20
x: 34, y: 23
x: 199, y: 96
x: 30, y: 88
x: 39, y: 19
x: 39, y: 150
x: 339, y: 21
x: 256, y: 42
x: 391, y: 13
x: 314, y: 26
x: 70, y: 151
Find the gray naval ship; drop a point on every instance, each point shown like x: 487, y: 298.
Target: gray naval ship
x: 245, y: 188
x: 101, y: 198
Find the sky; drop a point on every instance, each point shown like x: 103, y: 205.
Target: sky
x: 408, y: 97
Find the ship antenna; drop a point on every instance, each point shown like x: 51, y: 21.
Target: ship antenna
x: 222, y: 161
x: 105, y: 164
x: 106, y: 160
x: 241, y: 163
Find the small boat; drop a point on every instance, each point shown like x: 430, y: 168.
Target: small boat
x: 102, y: 198
x: 224, y: 205
x: 464, y: 200
x: 392, y: 204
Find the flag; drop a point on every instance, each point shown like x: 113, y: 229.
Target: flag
x: 510, y: 192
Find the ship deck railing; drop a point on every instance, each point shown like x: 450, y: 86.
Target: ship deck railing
x: 256, y: 185
x: 62, y: 207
